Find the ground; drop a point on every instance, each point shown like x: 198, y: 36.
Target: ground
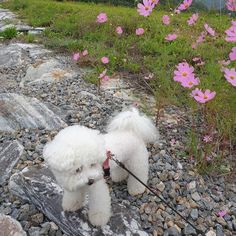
x: 42, y: 92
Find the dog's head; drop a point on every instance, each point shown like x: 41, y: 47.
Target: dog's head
x: 76, y: 155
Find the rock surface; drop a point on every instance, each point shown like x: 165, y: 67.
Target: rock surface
x: 10, y: 227
x: 47, y: 71
x: 10, y: 56
x: 10, y: 153
x: 38, y: 186
x: 17, y: 111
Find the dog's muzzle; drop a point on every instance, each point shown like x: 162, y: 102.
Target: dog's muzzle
x: 91, y: 181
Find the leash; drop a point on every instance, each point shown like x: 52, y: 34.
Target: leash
x: 111, y: 156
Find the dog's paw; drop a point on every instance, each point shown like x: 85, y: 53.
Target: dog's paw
x: 67, y: 206
x: 99, y: 218
x: 136, y: 189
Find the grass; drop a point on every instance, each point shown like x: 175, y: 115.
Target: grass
x: 9, y: 33
x: 71, y: 27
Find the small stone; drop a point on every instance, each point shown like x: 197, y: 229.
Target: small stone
x: 179, y: 166
x: 194, y: 214
x: 148, y: 210
x: 189, y: 230
x: 221, y: 221
x: 10, y: 226
x: 172, y: 231
x: 34, y: 231
x: 219, y: 230
x: 234, y: 224
x: 160, y: 186
x: 158, y: 231
x: 37, y: 218
x: 191, y: 185
x: 162, y: 152
x: 211, y: 233
x: 195, y: 196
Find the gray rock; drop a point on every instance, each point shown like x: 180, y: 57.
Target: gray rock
x: 194, y: 214
x: 219, y: 230
x: 34, y: 231
x: 48, y: 71
x: 6, y: 15
x: 10, y: 56
x: 10, y: 153
x: 191, y: 185
x: 4, y: 27
x: 34, y: 50
x: 172, y: 231
x: 189, y: 230
x: 10, y: 227
x: 195, y: 196
x: 18, y: 111
x: 37, y: 185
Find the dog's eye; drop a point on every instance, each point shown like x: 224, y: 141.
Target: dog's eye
x: 79, y: 169
x: 93, y: 165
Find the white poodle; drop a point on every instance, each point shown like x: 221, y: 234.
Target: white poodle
x: 76, y: 156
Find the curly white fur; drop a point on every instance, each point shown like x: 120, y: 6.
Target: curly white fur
x: 76, y: 154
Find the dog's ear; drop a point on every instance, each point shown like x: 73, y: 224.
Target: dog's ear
x: 59, y: 156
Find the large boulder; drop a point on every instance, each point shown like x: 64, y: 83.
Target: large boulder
x: 37, y: 185
x: 18, y: 111
x: 10, y: 153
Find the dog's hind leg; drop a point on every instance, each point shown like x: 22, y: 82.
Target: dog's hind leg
x: 139, y: 167
x: 99, y: 203
x: 73, y: 201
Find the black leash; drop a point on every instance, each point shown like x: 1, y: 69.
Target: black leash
x: 154, y: 192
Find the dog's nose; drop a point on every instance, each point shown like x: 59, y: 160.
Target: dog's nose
x: 91, y: 181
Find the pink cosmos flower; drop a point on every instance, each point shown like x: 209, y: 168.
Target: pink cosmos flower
x: 209, y: 30
x: 102, y: 74
x: 176, y: 11
x: 190, y: 82
x: 230, y: 75
x: 198, y: 61
x: 105, y: 78
x: 201, y: 38
x: 105, y: 60
x: 166, y: 20
x: 207, y: 139
x: 76, y: 56
x: 154, y: 2
x: 145, y: 9
x: 184, y: 71
x: 139, y: 31
x: 231, y: 33
x: 202, y: 97
x: 119, y: 30
x: 231, y: 5
x: 85, y: 53
x: 232, y: 55
x: 222, y: 213
x: 171, y: 37
x: 193, y: 19
x: 185, y: 5
x: 101, y: 18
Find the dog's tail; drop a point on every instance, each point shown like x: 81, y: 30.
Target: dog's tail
x: 136, y: 123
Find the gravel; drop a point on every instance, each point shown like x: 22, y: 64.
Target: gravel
x: 197, y: 198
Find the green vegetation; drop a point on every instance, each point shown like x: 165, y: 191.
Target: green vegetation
x: 71, y: 26
x: 9, y: 33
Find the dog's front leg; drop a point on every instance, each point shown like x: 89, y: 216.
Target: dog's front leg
x: 73, y: 201
x: 99, y: 203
